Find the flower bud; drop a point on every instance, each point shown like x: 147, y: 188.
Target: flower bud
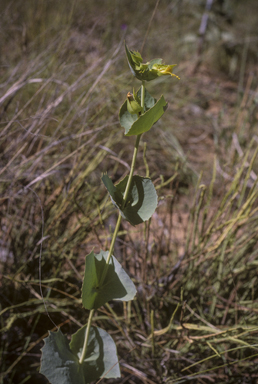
x: 133, y: 103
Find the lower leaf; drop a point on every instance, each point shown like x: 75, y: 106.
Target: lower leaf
x: 60, y: 360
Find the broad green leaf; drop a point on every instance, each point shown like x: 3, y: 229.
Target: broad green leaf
x: 101, y: 357
x: 135, y: 124
x: 148, y: 119
x: 117, y: 284
x: 142, y: 199
x: 60, y: 361
x: 141, y: 202
x: 126, y: 118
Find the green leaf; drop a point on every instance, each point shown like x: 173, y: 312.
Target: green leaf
x: 142, y: 199
x: 101, y: 357
x: 126, y: 118
x: 117, y: 284
x: 60, y: 361
x: 135, y: 124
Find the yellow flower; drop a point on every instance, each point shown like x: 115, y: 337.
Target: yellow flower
x: 149, y: 71
x: 165, y: 70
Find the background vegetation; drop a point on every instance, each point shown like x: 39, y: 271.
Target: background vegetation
x: 63, y: 77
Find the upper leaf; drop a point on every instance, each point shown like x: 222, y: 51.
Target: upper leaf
x: 136, y: 124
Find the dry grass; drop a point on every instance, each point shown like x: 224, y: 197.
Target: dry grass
x: 63, y: 78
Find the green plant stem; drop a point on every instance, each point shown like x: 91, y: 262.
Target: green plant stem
x: 143, y: 95
x: 129, y: 181
x: 127, y: 189
x: 128, y: 185
x: 111, y: 247
x: 84, y: 349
